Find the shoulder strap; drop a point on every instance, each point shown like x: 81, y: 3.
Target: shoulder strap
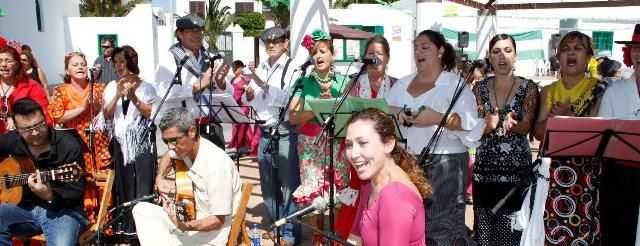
x: 284, y: 72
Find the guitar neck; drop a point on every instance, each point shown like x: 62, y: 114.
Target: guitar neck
x: 22, y: 179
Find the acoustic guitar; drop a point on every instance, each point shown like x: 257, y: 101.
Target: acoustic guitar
x: 185, y: 202
x: 15, y: 170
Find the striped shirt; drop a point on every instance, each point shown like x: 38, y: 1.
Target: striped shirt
x: 109, y: 72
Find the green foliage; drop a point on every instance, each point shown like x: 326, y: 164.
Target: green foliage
x: 251, y: 22
x: 280, y: 11
x: 342, y: 4
x: 107, y: 8
x: 216, y: 21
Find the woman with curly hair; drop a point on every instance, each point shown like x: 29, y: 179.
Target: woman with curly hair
x: 391, y: 210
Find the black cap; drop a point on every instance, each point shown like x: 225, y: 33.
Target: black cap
x: 272, y: 33
x: 189, y: 22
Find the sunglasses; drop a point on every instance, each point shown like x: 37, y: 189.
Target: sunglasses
x: 173, y: 141
x: 38, y: 127
x: 107, y: 46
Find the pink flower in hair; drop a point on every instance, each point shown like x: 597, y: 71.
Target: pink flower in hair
x: 307, y: 42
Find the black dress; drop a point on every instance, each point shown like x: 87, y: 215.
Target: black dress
x: 499, y: 160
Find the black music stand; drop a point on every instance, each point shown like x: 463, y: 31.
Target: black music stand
x: 223, y: 109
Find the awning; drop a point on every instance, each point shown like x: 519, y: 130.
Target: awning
x: 343, y: 32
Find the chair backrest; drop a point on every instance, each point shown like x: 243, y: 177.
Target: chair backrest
x: 238, y: 225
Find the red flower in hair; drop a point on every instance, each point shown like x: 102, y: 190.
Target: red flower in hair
x: 307, y: 42
x: 626, y: 55
x: 16, y: 45
x: 3, y: 42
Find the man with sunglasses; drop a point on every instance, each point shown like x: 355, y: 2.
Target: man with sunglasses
x: 53, y: 208
x: 106, y: 64
x: 216, y: 189
x: 196, y: 78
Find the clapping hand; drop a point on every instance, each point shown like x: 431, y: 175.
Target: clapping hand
x: 562, y: 109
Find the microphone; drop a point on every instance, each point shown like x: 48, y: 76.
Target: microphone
x: 182, y: 62
x: 370, y: 61
x: 600, y: 88
x: 137, y: 200
x: 304, y: 65
x: 96, y: 72
x: 318, y: 204
x: 481, y: 63
x: 215, y: 57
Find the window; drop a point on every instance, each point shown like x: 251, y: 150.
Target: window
x: 347, y: 50
x: 113, y: 36
x: 39, y: 16
x: 197, y: 8
x: 603, y: 42
x: 244, y: 7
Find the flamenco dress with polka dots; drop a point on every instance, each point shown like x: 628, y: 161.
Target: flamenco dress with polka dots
x: 500, y: 159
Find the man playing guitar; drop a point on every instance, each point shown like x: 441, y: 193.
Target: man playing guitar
x: 215, y: 182
x: 53, y: 208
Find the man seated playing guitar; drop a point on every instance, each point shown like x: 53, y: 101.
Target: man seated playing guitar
x: 53, y: 208
x: 215, y: 182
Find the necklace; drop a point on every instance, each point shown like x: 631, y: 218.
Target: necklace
x: 4, y: 111
x: 315, y: 74
x: 499, y: 129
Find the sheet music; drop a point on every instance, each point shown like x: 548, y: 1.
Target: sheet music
x: 226, y: 109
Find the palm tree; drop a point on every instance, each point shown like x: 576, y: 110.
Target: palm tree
x: 217, y: 20
x: 107, y: 8
x: 280, y: 10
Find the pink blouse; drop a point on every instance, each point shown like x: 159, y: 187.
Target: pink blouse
x: 395, y: 217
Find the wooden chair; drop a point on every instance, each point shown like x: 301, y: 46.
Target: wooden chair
x: 238, y: 227
x: 104, y: 180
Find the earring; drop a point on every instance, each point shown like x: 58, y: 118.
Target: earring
x: 439, y: 55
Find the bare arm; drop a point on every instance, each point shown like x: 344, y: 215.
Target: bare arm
x: 296, y: 115
x: 541, y: 124
x: 209, y: 223
x: 43, y: 80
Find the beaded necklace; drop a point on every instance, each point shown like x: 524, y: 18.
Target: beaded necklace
x: 314, y: 73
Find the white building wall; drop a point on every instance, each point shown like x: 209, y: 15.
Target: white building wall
x: 137, y: 29
x: 49, y: 46
x: 397, y: 30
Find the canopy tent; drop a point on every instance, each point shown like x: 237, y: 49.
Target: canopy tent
x: 343, y: 32
x: 530, y: 45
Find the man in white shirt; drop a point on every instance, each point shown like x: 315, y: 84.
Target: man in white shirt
x: 269, y: 93
x: 196, y: 78
x: 216, y: 189
x: 619, y: 202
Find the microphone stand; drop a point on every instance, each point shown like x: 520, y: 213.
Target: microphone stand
x: 329, y: 126
x: 177, y: 80
x: 273, y: 146
x: 331, y: 236
x: 425, y: 153
x: 92, y: 138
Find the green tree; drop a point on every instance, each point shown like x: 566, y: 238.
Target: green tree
x: 107, y: 8
x: 341, y: 4
x: 251, y: 22
x: 216, y: 21
x: 280, y: 10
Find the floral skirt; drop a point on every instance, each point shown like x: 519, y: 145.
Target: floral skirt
x: 571, y: 215
x: 314, y: 169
